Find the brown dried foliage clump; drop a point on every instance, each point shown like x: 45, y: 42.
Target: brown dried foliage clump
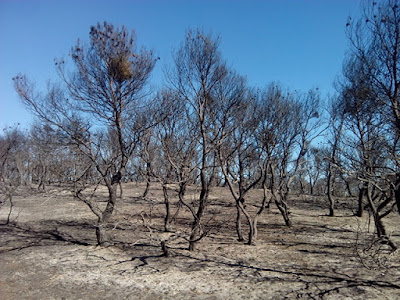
x: 119, y: 68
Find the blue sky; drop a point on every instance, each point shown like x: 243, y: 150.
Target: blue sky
x: 299, y: 43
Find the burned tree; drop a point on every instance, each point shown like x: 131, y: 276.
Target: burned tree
x: 238, y: 152
x: 336, y: 123
x: 368, y: 148
x: 375, y: 45
x: 288, y: 124
x: 198, y: 67
x: 11, y: 145
x: 176, y: 155
x: 102, y: 98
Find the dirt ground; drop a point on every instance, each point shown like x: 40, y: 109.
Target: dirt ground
x: 49, y: 252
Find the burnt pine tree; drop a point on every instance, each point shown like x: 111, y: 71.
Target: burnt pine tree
x: 198, y: 67
x: 375, y: 45
x: 101, y: 99
x: 12, y: 143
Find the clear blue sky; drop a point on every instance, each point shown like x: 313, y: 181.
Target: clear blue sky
x: 299, y: 43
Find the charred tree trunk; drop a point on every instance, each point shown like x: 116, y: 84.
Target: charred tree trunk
x: 205, y: 182
x: 146, y: 191
x: 331, y: 198
x: 101, y: 233
x: 11, y: 209
x: 397, y: 192
x: 121, y: 191
x: 108, y: 211
x: 279, y: 200
x: 9, y: 196
x: 167, y: 220
x: 42, y: 178
x: 312, y: 184
x: 164, y: 249
x: 195, y: 235
x: 348, y: 188
x: 239, y: 223
x: 380, y: 227
x: 283, y: 208
x: 249, y: 221
x: 360, y: 208
x: 181, y: 197
x: 259, y: 212
x: 112, y: 199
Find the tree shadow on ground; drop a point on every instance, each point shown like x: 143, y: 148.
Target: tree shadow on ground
x: 17, y: 236
x: 317, y: 283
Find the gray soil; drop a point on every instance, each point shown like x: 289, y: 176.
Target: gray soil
x: 49, y: 251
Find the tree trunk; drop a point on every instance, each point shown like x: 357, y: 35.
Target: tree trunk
x: 380, y: 227
x: 181, y: 197
x: 329, y: 185
x: 360, y: 209
x: 255, y: 221
x: 146, y: 191
x: 100, y: 230
x: 195, y: 234
x: 42, y: 185
x: 42, y: 179
x: 381, y: 230
x: 164, y: 249
x: 239, y: 223
x: 101, y: 233
x: 348, y: 188
x: 259, y: 212
x: 112, y: 199
x: 397, y: 192
x: 9, y: 197
x: 167, y: 208
x: 192, y: 241
x: 120, y: 190
x: 282, y: 206
x: 302, y: 188
x: 148, y: 176
x: 108, y: 211
x: 11, y: 208
x: 284, y: 212
x: 249, y: 221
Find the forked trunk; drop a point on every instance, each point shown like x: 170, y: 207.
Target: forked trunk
x: 195, y: 235
x: 112, y: 199
x: 106, y: 214
x: 282, y: 206
x: 380, y: 227
x: 284, y: 211
x: 249, y: 221
x: 259, y: 212
x: 181, y: 197
x: 280, y: 203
